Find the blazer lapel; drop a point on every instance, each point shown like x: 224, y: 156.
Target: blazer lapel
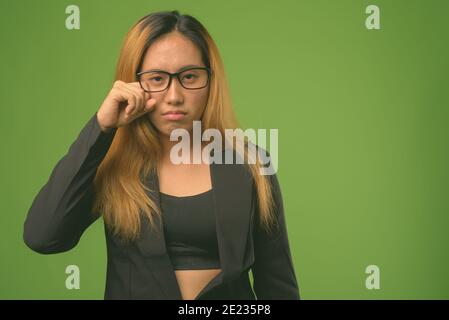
x: 232, y: 191
x: 152, y: 246
x: 233, y: 201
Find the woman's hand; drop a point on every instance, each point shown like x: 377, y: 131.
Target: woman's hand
x: 124, y: 103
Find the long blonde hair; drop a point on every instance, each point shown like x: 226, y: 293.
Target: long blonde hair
x: 135, y: 149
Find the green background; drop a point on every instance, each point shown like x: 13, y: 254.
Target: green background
x: 362, y: 118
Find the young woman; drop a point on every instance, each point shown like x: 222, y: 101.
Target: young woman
x: 173, y: 231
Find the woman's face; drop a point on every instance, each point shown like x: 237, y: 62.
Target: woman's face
x: 171, y: 53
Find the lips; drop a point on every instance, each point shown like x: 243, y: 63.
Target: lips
x: 173, y: 112
x: 174, y: 115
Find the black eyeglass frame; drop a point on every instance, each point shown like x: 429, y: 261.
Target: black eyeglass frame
x: 176, y: 74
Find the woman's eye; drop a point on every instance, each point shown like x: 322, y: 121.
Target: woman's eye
x: 156, y: 79
x: 189, y: 76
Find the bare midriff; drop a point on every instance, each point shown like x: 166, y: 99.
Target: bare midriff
x: 191, y: 282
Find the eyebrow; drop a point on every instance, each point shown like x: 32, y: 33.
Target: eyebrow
x: 179, y: 70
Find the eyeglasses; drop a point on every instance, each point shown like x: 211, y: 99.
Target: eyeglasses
x: 192, y: 79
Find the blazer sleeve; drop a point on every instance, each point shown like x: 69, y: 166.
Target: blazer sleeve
x: 273, y: 272
x: 62, y: 210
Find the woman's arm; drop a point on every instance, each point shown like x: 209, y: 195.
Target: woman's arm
x: 273, y: 271
x: 61, y: 210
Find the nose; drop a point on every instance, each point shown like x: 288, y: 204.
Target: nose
x: 174, y: 95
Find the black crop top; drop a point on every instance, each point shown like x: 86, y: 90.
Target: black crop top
x: 190, y: 232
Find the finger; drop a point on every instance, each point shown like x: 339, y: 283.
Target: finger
x: 137, y: 85
x: 131, y: 101
x: 121, y: 96
x: 149, y: 105
x: 140, y: 99
x: 145, y: 97
x: 134, y: 98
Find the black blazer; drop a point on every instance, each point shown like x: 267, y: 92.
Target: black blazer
x: 61, y: 212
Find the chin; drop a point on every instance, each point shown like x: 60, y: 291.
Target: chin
x: 168, y: 128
